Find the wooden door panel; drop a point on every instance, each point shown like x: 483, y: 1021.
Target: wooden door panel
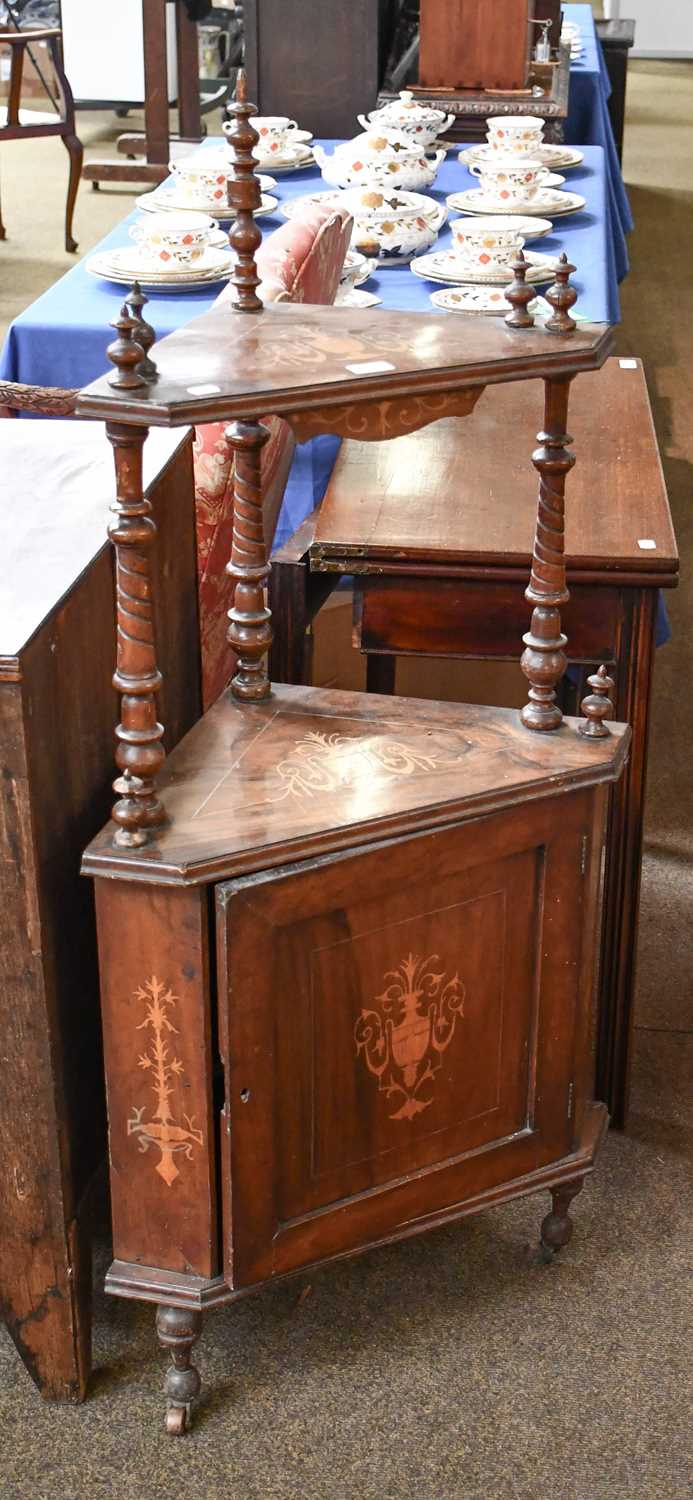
x: 409, y: 1039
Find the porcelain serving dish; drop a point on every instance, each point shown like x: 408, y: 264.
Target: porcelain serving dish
x: 420, y: 123
x: 374, y: 158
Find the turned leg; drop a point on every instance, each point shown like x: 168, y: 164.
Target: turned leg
x: 75, y: 151
x: 250, y: 630
x: 557, y: 1227
x: 544, y: 661
x: 178, y: 1328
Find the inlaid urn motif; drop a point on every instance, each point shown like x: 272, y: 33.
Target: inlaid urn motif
x: 403, y: 1040
x: 161, y: 1130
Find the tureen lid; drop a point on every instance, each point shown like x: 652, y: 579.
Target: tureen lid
x: 374, y: 146
x: 406, y: 105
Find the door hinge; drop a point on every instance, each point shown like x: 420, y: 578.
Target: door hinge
x: 570, y: 1100
x: 584, y: 845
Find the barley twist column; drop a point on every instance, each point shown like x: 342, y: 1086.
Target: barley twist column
x: 140, y: 753
x: 544, y: 661
x: 250, y: 631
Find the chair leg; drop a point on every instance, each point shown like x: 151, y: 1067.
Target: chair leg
x: 75, y: 151
x: 3, y: 231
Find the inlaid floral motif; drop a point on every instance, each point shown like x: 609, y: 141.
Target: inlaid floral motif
x: 402, y: 1041
x: 161, y: 1130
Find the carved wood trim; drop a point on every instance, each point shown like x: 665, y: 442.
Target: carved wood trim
x: 375, y: 420
x: 52, y: 401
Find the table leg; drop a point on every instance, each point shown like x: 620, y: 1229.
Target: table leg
x: 380, y: 673
x: 623, y: 857
x: 295, y: 596
x: 155, y: 81
x: 189, y: 117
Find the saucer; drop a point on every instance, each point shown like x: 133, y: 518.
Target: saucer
x: 483, y: 299
x: 442, y: 265
x: 560, y: 157
x: 302, y: 137
x: 294, y: 158
x: 554, y: 201
x: 164, y: 199
x: 530, y: 228
x: 126, y: 265
x: 351, y: 296
x: 357, y: 267
x: 429, y: 208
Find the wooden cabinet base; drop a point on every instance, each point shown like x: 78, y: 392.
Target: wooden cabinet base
x: 403, y: 1008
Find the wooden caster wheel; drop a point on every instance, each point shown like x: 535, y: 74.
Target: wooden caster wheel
x: 177, y: 1421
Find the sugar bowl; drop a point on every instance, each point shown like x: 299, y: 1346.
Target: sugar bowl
x: 405, y: 116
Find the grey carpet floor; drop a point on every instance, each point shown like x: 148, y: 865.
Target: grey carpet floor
x: 454, y: 1367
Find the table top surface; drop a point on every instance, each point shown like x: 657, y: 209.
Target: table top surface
x: 465, y: 491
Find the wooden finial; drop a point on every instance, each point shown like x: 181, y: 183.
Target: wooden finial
x: 244, y: 197
x: 126, y: 354
x: 562, y: 297
x: 597, y: 706
x: 520, y: 295
x: 144, y: 333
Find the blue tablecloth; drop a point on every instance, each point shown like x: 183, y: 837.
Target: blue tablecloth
x: 589, y: 122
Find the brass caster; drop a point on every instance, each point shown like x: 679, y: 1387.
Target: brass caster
x: 177, y: 1420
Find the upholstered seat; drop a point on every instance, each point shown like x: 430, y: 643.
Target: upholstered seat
x: 301, y: 262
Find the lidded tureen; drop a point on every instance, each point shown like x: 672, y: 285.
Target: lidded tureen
x: 405, y: 116
x: 382, y: 160
x: 391, y: 224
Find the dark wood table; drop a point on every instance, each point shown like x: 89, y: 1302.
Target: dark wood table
x: 617, y: 38
x: 436, y: 531
x: 56, y: 735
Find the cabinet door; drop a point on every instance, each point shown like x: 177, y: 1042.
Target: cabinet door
x: 398, y: 1030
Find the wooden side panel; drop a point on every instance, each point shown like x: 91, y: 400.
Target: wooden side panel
x: 473, y: 44
x: 38, y: 1293
x: 400, y: 1030
x: 153, y: 954
x: 326, y: 87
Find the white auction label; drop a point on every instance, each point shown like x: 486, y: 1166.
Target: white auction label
x: 371, y: 367
x: 647, y: 544
x: 628, y: 364
x: 204, y: 390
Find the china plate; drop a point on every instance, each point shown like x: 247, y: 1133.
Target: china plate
x: 294, y: 160
x: 430, y: 209
x: 481, y: 299
x: 127, y: 265
x: 165, y: 200
x: 302, y: 137
x: 357, y: 267
x: 560, y: 157
x: 441, y: 265
x: 558, y: 203
x: 530, y: 228
x: 351, y: 296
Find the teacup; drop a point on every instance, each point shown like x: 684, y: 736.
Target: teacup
x: 514, y: 135
x: 275, y: 132
x: 485, y: 244
x: 173, y: 239
x: 203, y: 178
x: 509, y: 180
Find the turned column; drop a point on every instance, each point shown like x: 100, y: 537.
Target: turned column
x: 178, y: 1329
x: 544, y: 660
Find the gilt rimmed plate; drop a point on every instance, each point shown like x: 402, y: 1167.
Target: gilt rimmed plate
x: 443, y: 266
x: 559, y: 157
x: 293, y: 160
x: 165, y: 200
x: 126, y: 265
x: 531, y: 228
x: 554, y: 201
x: 485, y: 300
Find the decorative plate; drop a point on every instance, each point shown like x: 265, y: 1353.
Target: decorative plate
x: 335, y: 197
x: 554, y: 201
x: 530, y: 228
x: 486, y: 300
x: 295, y: 159
x: 558, y: 157
x: 163, y: 200
x: 352, y: 296
x: 128, y: 264
x: 442, y: 265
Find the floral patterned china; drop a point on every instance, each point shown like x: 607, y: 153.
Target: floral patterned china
x: 443, y: 266
x: 378, y: 159
x: 481, y: 299
x: 554, y: 201
x: 405, y: 116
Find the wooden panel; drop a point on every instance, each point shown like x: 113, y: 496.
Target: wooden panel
x: 310, y: 770
x: 451, y: 617
x: 428, y: 1047
x: 325, y: 88
x: 153, y: 956
x: 295, y: 358
x: 469, y: 44
x: 465, y: 492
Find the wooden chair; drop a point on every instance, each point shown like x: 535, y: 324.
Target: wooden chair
x: 301, y: 262
x: 436, y: 529
x: 18, y: 124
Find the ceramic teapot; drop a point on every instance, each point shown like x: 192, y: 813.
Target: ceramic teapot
x: 406, y: 117
x: 393, y: 225
x: 379, y: 160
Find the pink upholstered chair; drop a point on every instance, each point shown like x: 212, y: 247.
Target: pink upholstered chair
x: 301, y: 262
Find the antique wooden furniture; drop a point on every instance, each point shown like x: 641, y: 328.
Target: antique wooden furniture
x: 56, y: 734
x: 18, y: 124
x: 156, y: 141
x: 463, y: 44
x: 380, y: 915
x: 326, y: 86
x: 439, y: 546
x: 617, y: 38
